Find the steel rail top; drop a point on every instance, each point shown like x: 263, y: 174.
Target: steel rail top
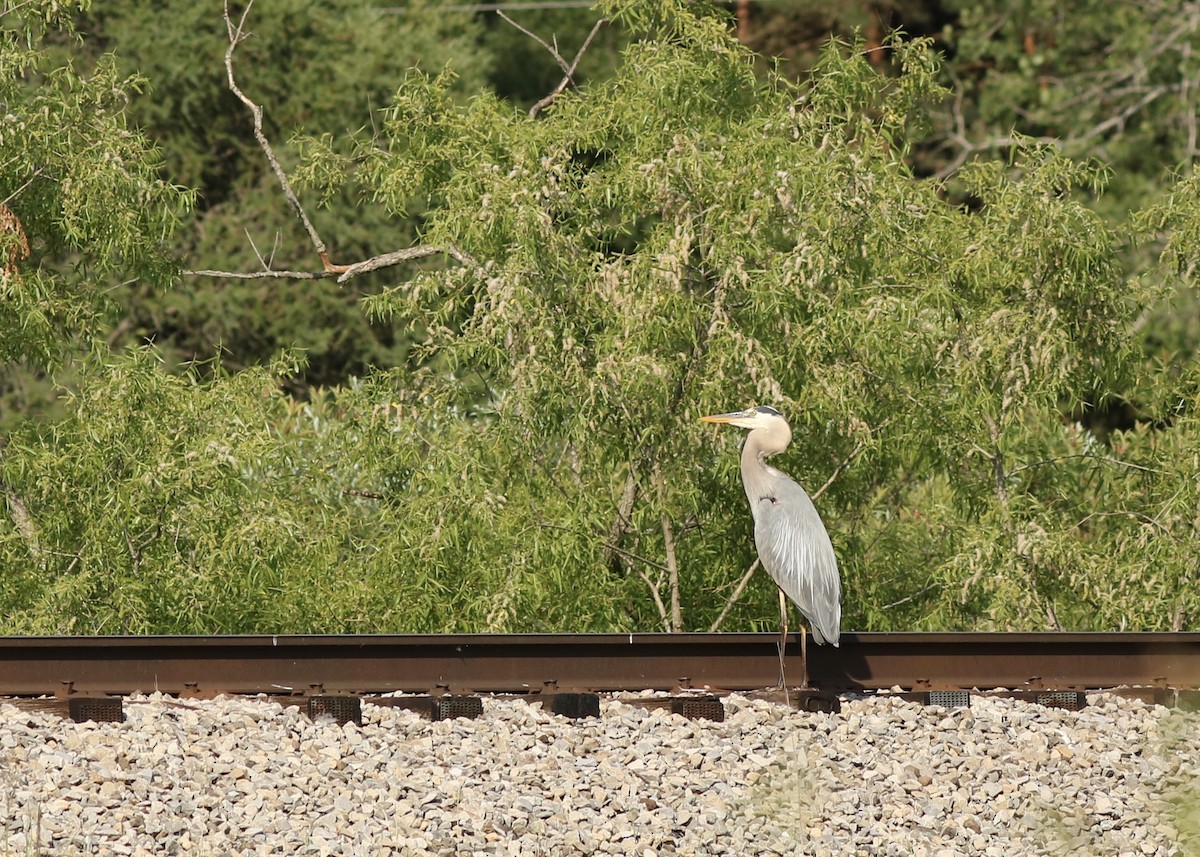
x: 531, y: 662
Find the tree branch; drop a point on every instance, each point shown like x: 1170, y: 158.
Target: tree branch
x: 135, y: 554
x: 1098, y: 94
x: 997, y: 458
x: 398, y: 257
x: 266, y: 265
x: 669, y: 548
x: 263, y: 275
x: 237, y: 34
x: 837, y: 471
x: 357, y: 492
x: 737, y: 593
x: 34, y: 175
x: 620, y: 523
x: 658, y: 602
x: 914, y: 596
x: 1102, y: 458
x: 343, y: 272
x: 568, y: 68
x: 1135, y: 516
x: 1052, y: 617
x: 1119, y: 119
x: 609, y: 546
x: 18, y: 512
x: 562, y: 63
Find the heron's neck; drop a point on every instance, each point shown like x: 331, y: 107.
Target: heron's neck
x: 753, y: 454
x: 756, y: 473
x: 763, y: 443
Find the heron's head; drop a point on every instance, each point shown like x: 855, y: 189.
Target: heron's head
x: 769, y: 433
x: 760, y: 417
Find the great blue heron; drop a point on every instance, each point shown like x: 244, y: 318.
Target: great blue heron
x: 792, y: 542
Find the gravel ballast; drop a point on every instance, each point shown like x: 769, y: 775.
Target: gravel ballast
x: 883, y: 777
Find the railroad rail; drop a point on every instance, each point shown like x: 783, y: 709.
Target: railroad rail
x: 531, y: 663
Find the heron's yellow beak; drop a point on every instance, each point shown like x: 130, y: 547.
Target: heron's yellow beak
x: 723, y: 418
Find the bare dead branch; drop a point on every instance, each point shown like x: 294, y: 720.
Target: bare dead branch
x: 398, y: 257
x: 265, y: 265
x: 342, y: 272
x: 237, y: 35
x: 837, y: 471
x: 658, y: 602
x: 620, y: 524
x: 733, y: 599
x: 562, y: 63
x: 568, y: 68
x: 570, y: 74
x: 660, y: 487
x: 263, y: 275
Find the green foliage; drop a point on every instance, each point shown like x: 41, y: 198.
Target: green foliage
x: 1112, y: 81
x: 33, y: 18
x: 75, y: 181
x: 686, y: 236
x: 317, y: 69
x: 683, y: 236
x: 219, y: 506
x: 1101, y: 79
x: 168, y: 469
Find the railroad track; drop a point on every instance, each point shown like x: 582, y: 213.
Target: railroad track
x: 1159, y: 667
x: 184, y: 773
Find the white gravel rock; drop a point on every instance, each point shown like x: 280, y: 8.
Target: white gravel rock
x: 884, y: 777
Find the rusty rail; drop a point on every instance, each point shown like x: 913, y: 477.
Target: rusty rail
x: 32, y: 666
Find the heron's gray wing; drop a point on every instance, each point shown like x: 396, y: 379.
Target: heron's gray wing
x: 796, y: 551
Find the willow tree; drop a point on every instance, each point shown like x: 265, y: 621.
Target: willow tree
x: 684, y: 237
x: 76, y: 182
x: 689, y: 236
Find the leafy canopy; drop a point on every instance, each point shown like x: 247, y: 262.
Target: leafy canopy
x: 683, y: 237
x: 76, y: 181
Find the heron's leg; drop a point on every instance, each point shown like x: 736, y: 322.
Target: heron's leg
x: 783, y: 632
x: 804, y: 654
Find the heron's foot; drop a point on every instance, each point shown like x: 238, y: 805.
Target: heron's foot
x: 780, y: 689
x: 782, y: 686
